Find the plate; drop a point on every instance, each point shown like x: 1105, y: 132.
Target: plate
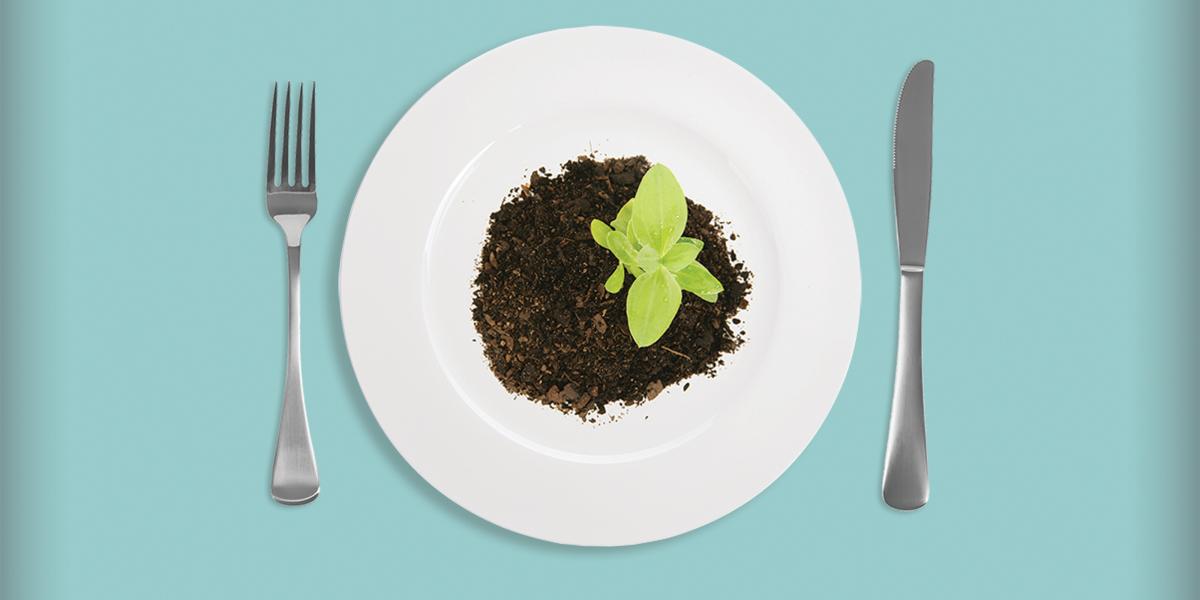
x: 415, y: 232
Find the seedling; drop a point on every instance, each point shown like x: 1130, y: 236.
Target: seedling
x: 647, y: 239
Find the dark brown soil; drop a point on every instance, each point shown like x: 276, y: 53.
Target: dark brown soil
x: 549, y: 329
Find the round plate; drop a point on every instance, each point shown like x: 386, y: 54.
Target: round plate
x: 417, y: 225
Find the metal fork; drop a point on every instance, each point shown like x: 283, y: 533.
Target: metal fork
x: 292, y: 204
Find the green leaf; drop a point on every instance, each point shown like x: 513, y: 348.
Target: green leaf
x: 620, y: 246
x: 616, y: 280
x: 647, y: 259
x: 633, y: 238
x: 623, y: 250
x: 600, y: 232
x: 659, y: 210
x: 680, y: 255
x: 699, y: 244
x: 651, y: 305
x: 697, y: 280
x: 621, y: 223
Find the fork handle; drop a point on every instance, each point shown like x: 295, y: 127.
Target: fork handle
x: 905, y: 470
x: 294, y: 474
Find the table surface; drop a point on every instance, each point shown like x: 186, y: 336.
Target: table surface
x: 143, y: 307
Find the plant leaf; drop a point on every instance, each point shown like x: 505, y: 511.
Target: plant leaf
x: 621, y: 223
x: 600, y: 232
x: 697, y: 280
x: 633, y: 238
x: 616, y: 280
x: 659, y: 209
x: 699, y: 244
x: 620, y: 246
x: 623, y: 250
x: 680, y: 255
x: 651, y: 305
x: 647, y: 259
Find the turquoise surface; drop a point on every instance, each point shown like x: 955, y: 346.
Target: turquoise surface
x: 143, y: 299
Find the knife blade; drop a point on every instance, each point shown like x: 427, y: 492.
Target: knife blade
x: 912, y: 163
x: 905, y: 469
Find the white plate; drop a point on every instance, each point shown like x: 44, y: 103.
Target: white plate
x: 417, y: 225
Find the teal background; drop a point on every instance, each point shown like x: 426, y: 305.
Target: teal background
x: 143, y: 307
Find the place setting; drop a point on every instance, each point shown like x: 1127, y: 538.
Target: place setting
x: 602, y: 315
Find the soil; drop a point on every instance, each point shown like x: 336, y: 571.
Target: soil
x: 550, y: 331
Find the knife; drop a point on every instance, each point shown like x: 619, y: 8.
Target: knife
x: 905, y: 470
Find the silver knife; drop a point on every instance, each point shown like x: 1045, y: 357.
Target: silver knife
x: 905, y: 471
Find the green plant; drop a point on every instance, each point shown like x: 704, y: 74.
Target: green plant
x: 647, y: 239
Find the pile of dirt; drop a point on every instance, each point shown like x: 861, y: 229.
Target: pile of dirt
x: 550, y: 331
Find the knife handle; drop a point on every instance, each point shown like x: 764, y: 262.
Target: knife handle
x: 905, y: 471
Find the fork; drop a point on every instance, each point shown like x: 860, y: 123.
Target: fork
x: 292, y: 204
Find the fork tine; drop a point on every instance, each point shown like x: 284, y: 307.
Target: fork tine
x: 271, y: 141
x: 283, y: 162
x: 312, y: 138
x: 300, y: 137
